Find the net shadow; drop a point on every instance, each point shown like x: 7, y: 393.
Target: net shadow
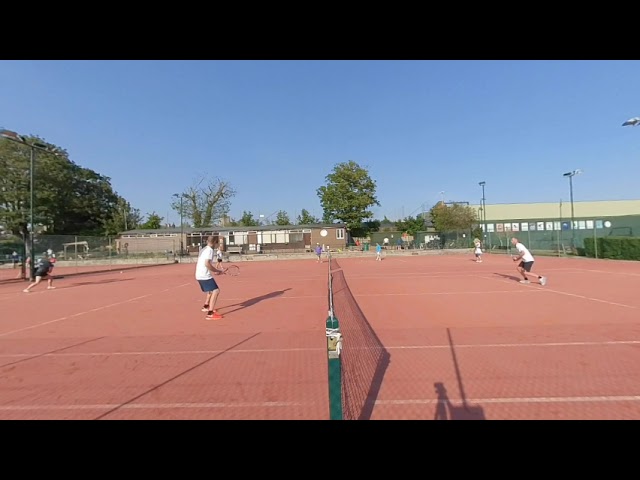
x: 364, y: 358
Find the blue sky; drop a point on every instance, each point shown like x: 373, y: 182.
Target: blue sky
x: 275, y: 129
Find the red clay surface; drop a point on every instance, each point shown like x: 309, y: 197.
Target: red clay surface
x: 136, y: 345
x: 463, y: 340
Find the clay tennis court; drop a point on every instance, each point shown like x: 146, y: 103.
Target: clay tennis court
x: 461, y: 340
x: 467, y: 341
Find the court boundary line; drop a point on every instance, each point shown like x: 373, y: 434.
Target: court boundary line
x: 611, y: 273
x: 560, y: 292
x: 153, y: 406
x: 502, y: 400
x: 79, y: 314
x: 439, y: 274
x: 474, y: 292
x: 320, y: 349
x: 166, y: 382
x: 276, y: 404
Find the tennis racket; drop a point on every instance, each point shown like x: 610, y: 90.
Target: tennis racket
x: 232, y: 270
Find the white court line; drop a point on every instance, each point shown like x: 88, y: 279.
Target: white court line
x: 461, y: 274
x: 154, y: 406
x: 89, y: 311
x: 612, y: 273
x: 587, y: 298
x: 280, y: 350
x: 516, y: 345
x: 439, y: 293
x: 152, y: 353
x: 484, y: 401
x: 547, y: 289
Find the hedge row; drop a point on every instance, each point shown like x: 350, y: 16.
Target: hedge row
x: 616, y: 248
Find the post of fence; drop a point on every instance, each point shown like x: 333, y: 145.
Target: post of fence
x: 595, y: 240
x: 334, y: 345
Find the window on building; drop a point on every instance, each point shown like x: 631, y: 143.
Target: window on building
x: 295, y: 237
x: 340, y: 233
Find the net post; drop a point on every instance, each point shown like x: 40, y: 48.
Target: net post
x: 334, y: 347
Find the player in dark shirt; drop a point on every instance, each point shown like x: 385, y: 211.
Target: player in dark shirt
x: 43, y: 270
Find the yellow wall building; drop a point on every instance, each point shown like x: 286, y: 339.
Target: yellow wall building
x: 547, y: 226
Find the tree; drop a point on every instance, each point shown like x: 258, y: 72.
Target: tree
x: 411, y: 225
x: 452, y: 218
x: 305, y: 218
x: 154, y: 221
x: 282, y: 218
x: 205, y: 201
x: 348, y: 195
x: 372, y: 225
x: 247, y: 220
x: 123, y: 218
x: 68, y: 199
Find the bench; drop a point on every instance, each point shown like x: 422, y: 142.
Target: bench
x: 234, y: 249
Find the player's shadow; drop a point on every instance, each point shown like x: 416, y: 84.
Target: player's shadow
x: 510, y: 277
x: 252, y: 301
x: 446, y: 410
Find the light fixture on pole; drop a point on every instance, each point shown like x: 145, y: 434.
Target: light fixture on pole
x: 571, y: 175
x: 14, y: 137
x: 180, y: 196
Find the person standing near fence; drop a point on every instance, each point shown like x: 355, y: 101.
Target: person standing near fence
x: 526, y: 263
x: 43, y: 270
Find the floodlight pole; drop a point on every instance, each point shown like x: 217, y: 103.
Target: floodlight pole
x: 484, y: 212
x: 573, y: 233
x: 181, y: 196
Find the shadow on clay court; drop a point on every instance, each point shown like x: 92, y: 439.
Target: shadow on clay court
x: 252, y: 301
x: 510, y: 277
x: 57, y: 350
x: 446, y: 410
x: 99, y: 282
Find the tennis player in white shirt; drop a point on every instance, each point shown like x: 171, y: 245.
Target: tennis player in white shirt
x: 526, y: 263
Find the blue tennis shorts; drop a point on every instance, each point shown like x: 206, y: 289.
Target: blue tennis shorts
x: 208, y: 285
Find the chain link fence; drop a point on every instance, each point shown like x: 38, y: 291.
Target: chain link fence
x: 76, y: 254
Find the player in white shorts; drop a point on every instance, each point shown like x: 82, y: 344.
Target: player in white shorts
x: 477, y: 250
x: 526, y: 263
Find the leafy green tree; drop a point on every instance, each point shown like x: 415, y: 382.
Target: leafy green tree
x: 154, y: 222
x: 372, y: 225
x: 411, y: 225
x: 247, y: 220
x: 123, y: 218
x: 305, y: 218
x: 282, y: 218
x: 348, y: 195
x: 68, y: 199
x: 453, y: 218
x: 206, y: 201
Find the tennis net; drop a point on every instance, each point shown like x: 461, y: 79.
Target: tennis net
x: 362, y: 356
